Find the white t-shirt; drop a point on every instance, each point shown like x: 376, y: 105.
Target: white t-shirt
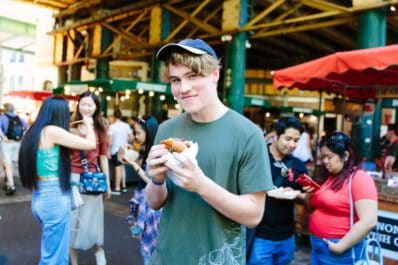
x: 302, y: 151
x: 119, y: 131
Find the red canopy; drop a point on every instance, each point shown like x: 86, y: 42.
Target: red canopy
x: 355, y: 74
x: 36, y: 95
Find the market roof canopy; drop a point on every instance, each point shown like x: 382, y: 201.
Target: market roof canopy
x: 35, y: 95
x: 113, y: 85
x: 355, y: 74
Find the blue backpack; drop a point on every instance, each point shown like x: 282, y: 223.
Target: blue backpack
x: 15, y: 128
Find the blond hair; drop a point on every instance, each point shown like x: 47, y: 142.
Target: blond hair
x: 202, y: 65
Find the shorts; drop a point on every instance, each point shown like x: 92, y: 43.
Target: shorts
x: 115, y: 161
x: 10, y: 151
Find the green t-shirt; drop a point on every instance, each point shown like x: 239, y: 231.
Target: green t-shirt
x: 232, y: 152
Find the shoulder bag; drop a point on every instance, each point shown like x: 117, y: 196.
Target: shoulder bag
x: 374, y: 257
x: 91, y: 182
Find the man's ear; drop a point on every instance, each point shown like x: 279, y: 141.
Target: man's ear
x: 216, y: 75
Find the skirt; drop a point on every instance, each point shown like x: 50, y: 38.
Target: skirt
x: 87, y: 223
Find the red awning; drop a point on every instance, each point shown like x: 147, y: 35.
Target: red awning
x: 36, y: 95
x: 355, y: 74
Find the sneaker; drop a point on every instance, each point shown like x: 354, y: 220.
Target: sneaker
x: 124, y: 190
x: 116, y: 192
x: 10, y: 191
x: 100, y: 257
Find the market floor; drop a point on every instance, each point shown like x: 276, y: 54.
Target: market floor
x: 20, y: 233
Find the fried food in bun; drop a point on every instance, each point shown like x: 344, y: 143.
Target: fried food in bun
x: 176, y: 145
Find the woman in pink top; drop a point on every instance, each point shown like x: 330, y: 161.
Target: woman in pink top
x: 332, y: 238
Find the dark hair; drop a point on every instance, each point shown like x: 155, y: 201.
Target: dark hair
x: 339, y: 143
x: 99, y: 125
x: 285, y: 123
x: 150, y: 125
x: 54, y: 111
x: 117, y: 113
x: 393, y: 127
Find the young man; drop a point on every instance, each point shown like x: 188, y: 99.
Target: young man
x: 204, y: 216
x: 274, y: 236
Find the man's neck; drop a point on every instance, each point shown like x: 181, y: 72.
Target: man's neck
x: 275, y: 153
x: 211, y: 113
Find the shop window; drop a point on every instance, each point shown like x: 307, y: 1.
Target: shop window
x: 13, y: 57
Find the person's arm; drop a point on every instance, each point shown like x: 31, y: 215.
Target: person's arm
x: 139, y: 170
x: 367, y: 213
x: 388, y: 163
x: 104, y: 163
x: 246, y: 209
x: 58, y: 135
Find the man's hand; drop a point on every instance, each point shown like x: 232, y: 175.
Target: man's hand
x: 187, y: 173
x: 156, y: 162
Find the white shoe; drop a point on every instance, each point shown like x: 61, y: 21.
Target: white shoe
x: 100, y: 257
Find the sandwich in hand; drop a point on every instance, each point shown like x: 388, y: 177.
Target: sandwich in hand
x: 182, y: 147
x: 176, y: 145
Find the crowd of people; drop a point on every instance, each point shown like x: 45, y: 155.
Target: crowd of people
x: 226, y: 185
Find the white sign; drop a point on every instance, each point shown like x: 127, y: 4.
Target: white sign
x: 387, y: 233
x: 151, y: 87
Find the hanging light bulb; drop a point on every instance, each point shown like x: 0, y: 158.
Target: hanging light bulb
x: 162, y: 97
x: 151, y: 93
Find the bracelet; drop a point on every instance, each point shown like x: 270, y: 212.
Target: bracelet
x: 157, y: 182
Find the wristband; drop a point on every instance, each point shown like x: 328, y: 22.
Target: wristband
x: 157, y: 182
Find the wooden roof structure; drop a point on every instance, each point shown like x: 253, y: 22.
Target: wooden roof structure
x: 281, y: 33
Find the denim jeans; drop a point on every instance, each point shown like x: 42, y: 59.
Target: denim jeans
x: 321, y: 255
x: 268, y: 252
x: 52, y: 208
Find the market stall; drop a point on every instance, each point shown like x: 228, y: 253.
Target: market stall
x: 28, y: 102
x: 359, y: 74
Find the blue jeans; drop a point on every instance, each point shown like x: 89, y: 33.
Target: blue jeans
x: 321, y: 255
x: 270, y: 252
x: 52, y: 209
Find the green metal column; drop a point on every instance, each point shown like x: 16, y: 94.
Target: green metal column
x: 102, y: 67
x: 371, y: 33
x: 156, y: 65
x: 236, y: 63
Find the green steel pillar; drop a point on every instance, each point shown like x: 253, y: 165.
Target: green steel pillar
x: 102, y: 67
x: 163, y: 27
x: 234, y: 77
x: 371, y: 33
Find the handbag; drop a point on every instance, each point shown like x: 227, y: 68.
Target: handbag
x: 375, y: 257
x: 91, y: 182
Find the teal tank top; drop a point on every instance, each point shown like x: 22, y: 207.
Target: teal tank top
x: 48, y: 161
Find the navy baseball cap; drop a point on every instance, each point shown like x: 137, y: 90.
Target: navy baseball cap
x: 195, y: 46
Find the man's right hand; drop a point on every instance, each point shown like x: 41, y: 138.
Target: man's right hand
x: 156, y: 162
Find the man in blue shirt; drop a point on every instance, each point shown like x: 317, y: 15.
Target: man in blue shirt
x: 10, y: 147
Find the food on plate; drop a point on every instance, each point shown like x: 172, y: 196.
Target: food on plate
x: 283, y: 193
x: 176, y: 145
x: 305, y: 180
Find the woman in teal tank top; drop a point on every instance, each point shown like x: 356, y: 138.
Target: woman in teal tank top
x: 44, y: 166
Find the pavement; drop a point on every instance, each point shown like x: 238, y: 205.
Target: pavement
x: 20, y: 233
